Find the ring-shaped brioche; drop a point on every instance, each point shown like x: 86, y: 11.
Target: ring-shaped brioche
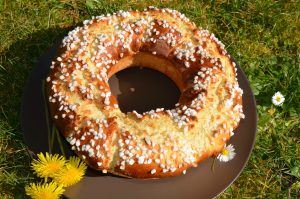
x: 160, y: 142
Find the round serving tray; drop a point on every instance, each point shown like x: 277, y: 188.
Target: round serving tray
x: 207, y: 180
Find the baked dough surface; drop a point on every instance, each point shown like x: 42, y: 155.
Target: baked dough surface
x: 158, y: 143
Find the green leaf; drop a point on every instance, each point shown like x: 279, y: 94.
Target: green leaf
x: 19, y: 196
x: 90, y: 4
x: 295, y: 186
x: 292, y: 112
x: 256, y: 87
x: 295, y: 171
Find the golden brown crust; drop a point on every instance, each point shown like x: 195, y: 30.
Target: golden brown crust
x: 158, y: 143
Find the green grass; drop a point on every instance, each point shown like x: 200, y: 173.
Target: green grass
x: 263, y: 37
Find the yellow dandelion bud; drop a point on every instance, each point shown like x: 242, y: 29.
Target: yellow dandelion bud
x: 271, y: 111
x: 44, y: 191
x: 72, y: 173
x: 47, y: 165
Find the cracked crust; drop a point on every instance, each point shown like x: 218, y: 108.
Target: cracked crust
x: 158, y: 143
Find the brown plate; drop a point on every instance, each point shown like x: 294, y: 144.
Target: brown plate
x: 136, y: 89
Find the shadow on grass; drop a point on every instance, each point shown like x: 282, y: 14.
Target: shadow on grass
x: 16, y: 63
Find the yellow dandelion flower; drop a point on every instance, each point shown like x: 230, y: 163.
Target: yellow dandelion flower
x: 71, y: 173
x: 47, y: 165
x: 44, y: 191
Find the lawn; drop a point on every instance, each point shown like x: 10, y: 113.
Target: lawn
x: 262, y: 36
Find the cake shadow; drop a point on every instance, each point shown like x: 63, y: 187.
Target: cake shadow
x: 16, y: 64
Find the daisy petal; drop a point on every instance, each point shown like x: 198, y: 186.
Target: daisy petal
x: 227, y: 153
x: 278, y: 99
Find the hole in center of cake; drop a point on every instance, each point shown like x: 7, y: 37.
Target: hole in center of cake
x: 143, y: 89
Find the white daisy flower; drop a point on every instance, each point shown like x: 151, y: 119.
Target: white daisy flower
x: 278, y: 99
x: 227, y: 153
